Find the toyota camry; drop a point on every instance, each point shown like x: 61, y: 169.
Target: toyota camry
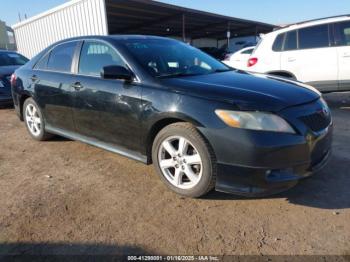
x: 202, y: 124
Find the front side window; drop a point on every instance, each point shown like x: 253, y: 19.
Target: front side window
x: 95, y: 55
x: 342, y: 34
x: 291, y: 41
x: 61, y: 57
x: 12, y: 58
x: 169, y: 58
x: 314, y: 37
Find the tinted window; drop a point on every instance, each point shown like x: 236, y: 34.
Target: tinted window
x: 94, y: 56
x: 248, y: 52
x: 11, y: 58
x: 314, y: 37
x: 291, y: 41
x: 277, y: 45
x: 342, y: 34
x: 170, y: 58
x: 61, y: 57
x: 42, y: 64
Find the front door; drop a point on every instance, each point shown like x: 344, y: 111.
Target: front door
x: 107, y: 111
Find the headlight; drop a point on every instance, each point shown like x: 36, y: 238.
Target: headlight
x: 255, y: 121
x: 1, y: 84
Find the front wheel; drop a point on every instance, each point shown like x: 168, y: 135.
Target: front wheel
x: 34, y: 121
x: 184, y: 160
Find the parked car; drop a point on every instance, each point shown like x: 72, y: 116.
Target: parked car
x: 214, y: 52
x: 9, y: 62
x: 239, y: 60
x: 314, y: 52
x: 154, y: 99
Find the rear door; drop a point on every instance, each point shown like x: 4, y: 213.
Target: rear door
x: 342, y: 41
x: 51, y: 79
x: 106, y: 110
x: 307, y: 53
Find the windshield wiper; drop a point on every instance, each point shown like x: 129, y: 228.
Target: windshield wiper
x: 221, y: 70
x: 175, y: 75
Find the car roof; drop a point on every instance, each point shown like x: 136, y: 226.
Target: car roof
x: 314, y: 22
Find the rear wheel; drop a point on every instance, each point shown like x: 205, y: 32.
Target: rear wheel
x: 184, y: 160
x: 34, y: 120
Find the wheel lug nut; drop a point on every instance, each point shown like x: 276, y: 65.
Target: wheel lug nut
x: 183, y: 167
x: 176, y: 166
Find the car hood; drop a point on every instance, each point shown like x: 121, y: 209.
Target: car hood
x: 247, y: 91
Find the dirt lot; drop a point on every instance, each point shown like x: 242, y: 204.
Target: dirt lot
x: 65, y: 197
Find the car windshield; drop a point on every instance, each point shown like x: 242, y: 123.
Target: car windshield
x: 11, y: 58
x: 169, y: 58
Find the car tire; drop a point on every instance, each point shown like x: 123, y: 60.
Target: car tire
x: 34, y: 120
x: 190, y: 170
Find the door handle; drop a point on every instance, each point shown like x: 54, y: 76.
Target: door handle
x: 77, y: 86
x: 346, y: 55
x: 291, y: 59
x: 34, y: 78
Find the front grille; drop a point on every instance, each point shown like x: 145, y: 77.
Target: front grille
x: 317, y: 121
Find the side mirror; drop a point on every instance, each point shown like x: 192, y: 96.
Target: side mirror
x: 116, y: 72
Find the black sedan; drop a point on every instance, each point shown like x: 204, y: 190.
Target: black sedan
x: 161, y: 101
x: 9, y: 62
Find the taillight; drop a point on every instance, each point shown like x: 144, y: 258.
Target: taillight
x: 13, y: 79
x: 252, y: 61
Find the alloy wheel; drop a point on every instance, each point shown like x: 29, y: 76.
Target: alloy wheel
x: 33, y: 120
x: 180, y: 162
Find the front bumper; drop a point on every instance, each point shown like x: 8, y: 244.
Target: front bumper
x: 258, y: 163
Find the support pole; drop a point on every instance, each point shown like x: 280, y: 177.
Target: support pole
x: 184, y: 27
x: 228, y: 35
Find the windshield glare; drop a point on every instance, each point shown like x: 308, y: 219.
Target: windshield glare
x: 169, y: 58
x: 9, y: 59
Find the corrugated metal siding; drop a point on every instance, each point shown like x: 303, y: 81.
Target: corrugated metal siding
x: 80, y: 17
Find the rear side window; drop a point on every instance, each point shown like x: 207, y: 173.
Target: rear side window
x: 95, y: 55
x: 61, y: 57
x: 277, y: 45
x: 42, y: 64
x: 291, y: 41
x: 314, y: 37
x: 342, y: 33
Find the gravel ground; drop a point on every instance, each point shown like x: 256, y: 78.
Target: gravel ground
x: 65, y: 197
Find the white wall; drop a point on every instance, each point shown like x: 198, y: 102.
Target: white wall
x: 75, y: 18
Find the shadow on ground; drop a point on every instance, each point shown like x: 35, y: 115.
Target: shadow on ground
x: 66, y: 252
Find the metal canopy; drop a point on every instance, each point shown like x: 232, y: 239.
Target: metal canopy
x: 154, y: 18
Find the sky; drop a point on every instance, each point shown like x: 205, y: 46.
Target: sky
x: 269, y: 11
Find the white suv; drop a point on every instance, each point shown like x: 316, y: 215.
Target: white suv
x: 315, y: 52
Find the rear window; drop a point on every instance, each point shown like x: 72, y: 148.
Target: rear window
x: 12, y: 58
x: 314, y: 37
x: 61, y: 57
x: 248, y: 51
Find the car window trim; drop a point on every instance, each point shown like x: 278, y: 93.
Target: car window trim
x: 136, y: 78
